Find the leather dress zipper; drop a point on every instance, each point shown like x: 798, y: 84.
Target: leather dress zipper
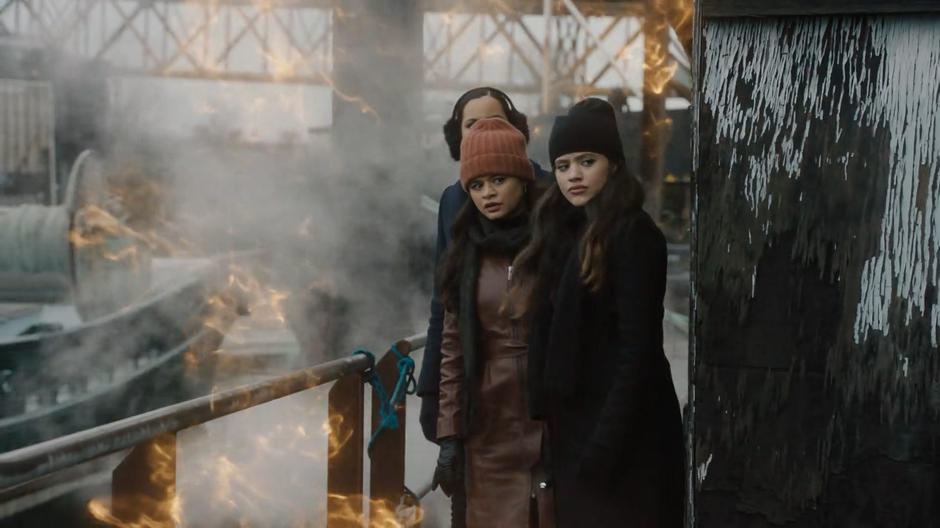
x: 512, y: 321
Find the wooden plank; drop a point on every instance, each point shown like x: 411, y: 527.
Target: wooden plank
x: 344, y: 468
x: 738, y: 8
x: 387, y: 470
x: 143, y: 485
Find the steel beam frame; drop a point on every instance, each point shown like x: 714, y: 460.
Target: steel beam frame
x: 289, y: 41
x: 236, y: 40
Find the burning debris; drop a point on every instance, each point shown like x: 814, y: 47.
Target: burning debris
x: 80, y: 243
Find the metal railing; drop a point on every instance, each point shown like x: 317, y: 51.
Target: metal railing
x: 151, y: 436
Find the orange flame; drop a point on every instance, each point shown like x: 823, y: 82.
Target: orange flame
x: 680, y: 18
x: 221, y: 310
x: 337, y: 434
x: 284, y: 68
x: 103, y: 248
x: 659, y: 66
x: 346, y: 509
x: 157, y: 511
x: 97, y: 230
x: 267, y: 303
x: 94, y: 226
x: 364, y: 106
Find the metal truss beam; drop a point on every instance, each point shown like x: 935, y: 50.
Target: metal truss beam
x: 467, y: 42
x: 535, y: 7
x: 285, y: 41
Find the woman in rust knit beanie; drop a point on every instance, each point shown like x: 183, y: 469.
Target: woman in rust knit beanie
x: 490, y: 459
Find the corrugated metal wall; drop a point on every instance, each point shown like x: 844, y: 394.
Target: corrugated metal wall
x: 27, y: 128
x: 816, y: 368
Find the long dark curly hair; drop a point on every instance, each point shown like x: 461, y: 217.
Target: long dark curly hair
x: 552, y: 217
x: 453, y: 133
x: 448, y: 274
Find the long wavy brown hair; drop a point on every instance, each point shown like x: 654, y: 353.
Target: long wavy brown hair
x: 552, y: 220
x: 448, y: 273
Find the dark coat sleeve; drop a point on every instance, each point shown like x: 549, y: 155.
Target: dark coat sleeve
x: 542, y: 174
x: 637, y: 277
x: 452, y: 199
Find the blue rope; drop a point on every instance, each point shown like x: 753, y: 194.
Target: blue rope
x: 406, y: 384
x: 406, y: 379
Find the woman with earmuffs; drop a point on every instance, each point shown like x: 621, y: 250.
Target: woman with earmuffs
x: 488, y: 445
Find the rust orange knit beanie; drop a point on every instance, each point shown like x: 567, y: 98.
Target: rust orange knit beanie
x: 492, y: 146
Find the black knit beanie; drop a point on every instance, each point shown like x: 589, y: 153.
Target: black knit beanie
x: 590, y: 126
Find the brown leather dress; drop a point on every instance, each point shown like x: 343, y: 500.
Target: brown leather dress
x: 503, y: 446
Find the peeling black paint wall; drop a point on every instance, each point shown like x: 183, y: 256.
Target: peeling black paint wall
x: 816, y: 370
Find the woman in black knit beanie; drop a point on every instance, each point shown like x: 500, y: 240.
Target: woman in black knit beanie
x: 597, y: 371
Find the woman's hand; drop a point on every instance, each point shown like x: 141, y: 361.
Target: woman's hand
x: 450, y: 466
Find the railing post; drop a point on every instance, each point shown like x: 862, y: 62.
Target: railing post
x: 387, y: 468
x: 143, y: 485
x: 345, y: 461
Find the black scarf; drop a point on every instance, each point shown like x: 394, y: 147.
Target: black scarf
x: 558, y: 288
x: 563, y: 351
x: 503, y: 237
x: 566, y: 318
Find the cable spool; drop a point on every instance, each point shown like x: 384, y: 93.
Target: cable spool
x: 35, y: 256
x: 79, y: 250
x: 34, y: 239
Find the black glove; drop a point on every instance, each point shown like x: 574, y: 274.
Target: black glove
x: 449, y: 471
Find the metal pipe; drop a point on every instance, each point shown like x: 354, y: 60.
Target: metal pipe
x: 28, y: 463
x: 416, y: 341
x: 32, y: 462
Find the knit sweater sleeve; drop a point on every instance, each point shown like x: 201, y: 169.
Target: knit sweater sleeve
x: 636, y: 274
x: 449, y: 419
